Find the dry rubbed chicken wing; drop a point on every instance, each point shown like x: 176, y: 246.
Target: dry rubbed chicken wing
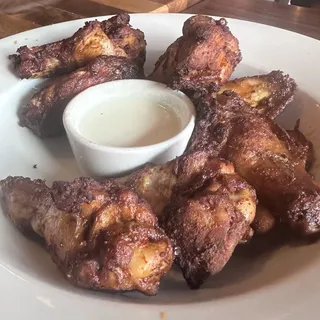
x: 203, y: 57
x: 156, y: 183
x: 268, y: 93
x: 99, y: 235
x: 114, y: 37
x: 264, y: 154
x: 206, y: 219
x: 43, y: 114
x: 204, y: 207
x: 302, y: 149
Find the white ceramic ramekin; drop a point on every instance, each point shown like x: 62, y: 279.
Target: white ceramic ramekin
x: 104, y: 161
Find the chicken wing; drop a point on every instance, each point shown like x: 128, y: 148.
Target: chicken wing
x: 157, y: 183
x: 203, y: 206
x: 203, y: 57
x: 43, y: 114
x: 268, y: 93
x: 114, y: 37
x: 206, y: 219
x: 264, y: 155
x: 99, y: 235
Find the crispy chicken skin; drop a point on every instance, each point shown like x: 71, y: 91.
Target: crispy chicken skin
x: 114, y: 37
x: 157, y: 183
x: 301, y: 147
x: 204, y: 207
x: 43, y: 114
x: 206, y: 219
x: 99, y: 235
x: 268, y: 93
x: 203, y: 57
x: 264, y: 155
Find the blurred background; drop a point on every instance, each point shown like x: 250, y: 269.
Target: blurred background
x: 302, y: 16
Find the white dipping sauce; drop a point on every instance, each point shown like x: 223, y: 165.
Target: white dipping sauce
x: 125, y: 122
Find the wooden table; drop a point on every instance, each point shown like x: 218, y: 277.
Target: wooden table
x: 298, y: 19
x: 21, y: 15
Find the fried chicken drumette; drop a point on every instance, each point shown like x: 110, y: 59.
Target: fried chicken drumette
x: 203, y: 57
x: 264, y: 154
x: 99, y: 235
x: 268, y: 93
x: 303, y: 151
x: 206, y: 219
x: 114, y: 37
x: 204, y: 207
x: 43, y: 114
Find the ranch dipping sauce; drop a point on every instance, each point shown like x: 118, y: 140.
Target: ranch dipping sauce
x: 117, y: 127
x: 130, y: 122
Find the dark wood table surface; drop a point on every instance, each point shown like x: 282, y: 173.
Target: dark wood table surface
x: 21, y: 15
x: 299, y: 19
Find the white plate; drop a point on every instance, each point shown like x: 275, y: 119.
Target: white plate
x: 283, y: 284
